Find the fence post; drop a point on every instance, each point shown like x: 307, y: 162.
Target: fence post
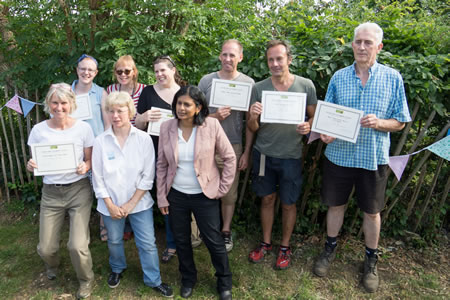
x: 8, y: 147
x: 22, y: 144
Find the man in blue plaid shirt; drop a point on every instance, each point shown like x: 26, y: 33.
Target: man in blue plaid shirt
x: 378, y: 91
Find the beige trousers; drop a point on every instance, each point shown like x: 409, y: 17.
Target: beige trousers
x: 76, y: 200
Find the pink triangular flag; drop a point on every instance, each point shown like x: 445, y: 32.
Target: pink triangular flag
x: 398, y: 164
x: 313, y: 136
x: 13, y: 103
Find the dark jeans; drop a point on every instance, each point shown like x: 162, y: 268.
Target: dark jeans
x: 207, y: 215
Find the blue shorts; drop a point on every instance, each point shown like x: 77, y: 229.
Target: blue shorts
x: 285, y: 173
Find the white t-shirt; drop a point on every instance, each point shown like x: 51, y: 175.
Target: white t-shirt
x: 80, y: 134
x: 118, y: 172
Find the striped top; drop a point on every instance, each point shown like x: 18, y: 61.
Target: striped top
x: 137, y: 93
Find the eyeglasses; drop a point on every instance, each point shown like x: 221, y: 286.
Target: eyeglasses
x: 126, y: 71
x: 167, y: 57
x: 82, y: 70
x: 118, y: 111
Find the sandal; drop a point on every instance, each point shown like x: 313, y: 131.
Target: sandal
x: 103, y: 233
x: 167, y: 255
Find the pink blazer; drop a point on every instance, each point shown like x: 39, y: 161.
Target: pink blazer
x: 209, y: 140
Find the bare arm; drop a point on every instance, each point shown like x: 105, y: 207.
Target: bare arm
x: 305, y: 127
x: 386, y: 125
x: 254, y: 113
x: 85, y: 165
x: 106, y: 122
x: 245, y: 157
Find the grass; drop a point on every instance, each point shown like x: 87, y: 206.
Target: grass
x: 405, y: 273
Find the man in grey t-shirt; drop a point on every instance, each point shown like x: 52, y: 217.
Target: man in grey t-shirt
x: 232, y: 123
x: 277, y: 151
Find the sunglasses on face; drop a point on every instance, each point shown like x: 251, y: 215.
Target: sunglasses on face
x: 126, y: 71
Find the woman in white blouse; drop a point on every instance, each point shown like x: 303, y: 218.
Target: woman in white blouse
x: 123, y: 164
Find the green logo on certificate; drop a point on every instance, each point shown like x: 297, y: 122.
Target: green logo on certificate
x: 339, y: 111
x: 232, y: 85
x: 54, y: 147
x: 284, y: 97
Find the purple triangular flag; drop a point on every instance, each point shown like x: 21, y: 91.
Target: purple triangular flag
x: 27, y: 106
x: 398, y: 164
x: 13, y: 103
x: 313, y: 136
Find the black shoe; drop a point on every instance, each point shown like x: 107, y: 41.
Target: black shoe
x: 186, y: 292
x: 225, y: 295
x: 114, y: 280
x: 164, y: 290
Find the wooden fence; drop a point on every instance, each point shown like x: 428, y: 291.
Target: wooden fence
x: 421, y: 190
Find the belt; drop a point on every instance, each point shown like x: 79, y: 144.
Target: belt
x: 58, y: 185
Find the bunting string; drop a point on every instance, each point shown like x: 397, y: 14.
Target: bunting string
x: 398, y: 163
x: 21, y: 105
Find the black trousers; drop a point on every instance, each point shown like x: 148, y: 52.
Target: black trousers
x: 207, y: 214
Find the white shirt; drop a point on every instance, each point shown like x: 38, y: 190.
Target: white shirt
x: 80, y: 134
x: 118, y: 172
x: 185, y: 179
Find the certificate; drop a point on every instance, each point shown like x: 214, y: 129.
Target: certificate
x: 54, y: 158
x: 154, y: 127
x: 84, y: 109
x: 337, y: 121
x: 231, y: 93
x: 283, y: 107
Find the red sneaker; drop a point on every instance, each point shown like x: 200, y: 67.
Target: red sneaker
x: 257, y: 255
x: 284, y: 259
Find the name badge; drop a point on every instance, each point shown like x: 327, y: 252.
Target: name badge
x: 110, y: 155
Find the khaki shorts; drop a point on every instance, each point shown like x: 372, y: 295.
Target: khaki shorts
x: 231, y: 197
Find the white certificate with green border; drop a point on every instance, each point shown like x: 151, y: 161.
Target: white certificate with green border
x: 231, y: 93
x: 84, y: 109
x: 154, y: 127
x: 283, y: 107
x: 337, y: 121
x: 54, y: 158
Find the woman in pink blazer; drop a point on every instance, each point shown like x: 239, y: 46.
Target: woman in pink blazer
x: 188, y: 181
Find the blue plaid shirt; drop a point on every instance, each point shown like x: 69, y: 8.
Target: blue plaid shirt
x: 384, y: 96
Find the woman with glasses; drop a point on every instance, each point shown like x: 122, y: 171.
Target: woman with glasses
x: 153, y: 98
x: 87, y: 69
x: 123, y: 163
x: 86, y: 72
x: 68, y: 193
x: 126, y: 75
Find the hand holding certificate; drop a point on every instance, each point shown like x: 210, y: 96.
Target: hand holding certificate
x: 154, y: 127
x: 283, y: 107
x: 54, y: 158
x: 337, y: 121
x: 84, y: 109
x: 231, y: 93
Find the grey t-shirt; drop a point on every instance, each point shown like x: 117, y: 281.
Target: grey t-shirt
x: 281, y: 140
x: 232, y: 125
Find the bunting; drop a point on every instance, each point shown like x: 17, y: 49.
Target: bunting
x: 399, y: 163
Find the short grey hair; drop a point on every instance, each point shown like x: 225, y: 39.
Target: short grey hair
x: 122, y: 99
x: 64, y: 92
x: 372, y: 27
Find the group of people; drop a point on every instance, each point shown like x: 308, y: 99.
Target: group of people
x: 197, y: 158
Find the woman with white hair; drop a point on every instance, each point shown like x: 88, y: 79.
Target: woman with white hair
x: 65, y: 193
x: 123, y: 166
